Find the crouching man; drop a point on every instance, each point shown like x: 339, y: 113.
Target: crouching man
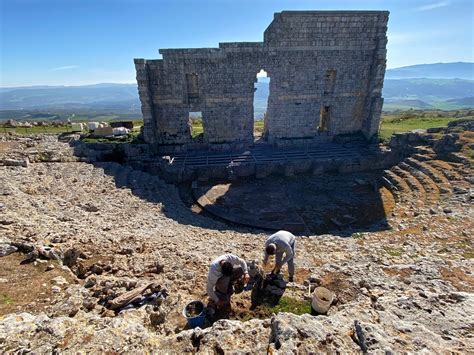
x: 282, y: 245
x: 225, y: 272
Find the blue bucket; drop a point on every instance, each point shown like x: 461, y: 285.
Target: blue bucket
x: 195, y: 320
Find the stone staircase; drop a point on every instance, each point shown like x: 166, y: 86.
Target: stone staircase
x: 422, y: 179
x: 418, y: 182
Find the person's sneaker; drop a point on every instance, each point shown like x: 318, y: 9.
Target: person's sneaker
x: 290, y: 279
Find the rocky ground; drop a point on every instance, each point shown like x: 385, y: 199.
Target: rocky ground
x: 76, y: 234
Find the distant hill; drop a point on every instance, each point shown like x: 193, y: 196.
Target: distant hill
x: 99, y: 96
x: 458, y: 70
x: 430, y: 90
x: 405, y: 94
x: 439, y: 86
x: 393, y: 105
x: 466, y: 101
x: 436, y: 86
x: 403, y: 105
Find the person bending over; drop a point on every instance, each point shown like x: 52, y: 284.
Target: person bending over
x: 224, y: 273
x: 282, y: 245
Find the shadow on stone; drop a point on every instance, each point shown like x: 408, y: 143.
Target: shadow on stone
x: 340, y: 200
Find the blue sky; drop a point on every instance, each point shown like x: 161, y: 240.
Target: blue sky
x: 75, y: 42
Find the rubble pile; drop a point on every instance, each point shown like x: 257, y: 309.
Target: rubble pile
x: 20, y: 150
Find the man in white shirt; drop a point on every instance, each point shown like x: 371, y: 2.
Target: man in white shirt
x: 224, y: 272
x: 282, y: 245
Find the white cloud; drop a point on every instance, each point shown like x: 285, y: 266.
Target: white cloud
x: 66, y: 67
x: 262, y: 74
x: 432, y: 6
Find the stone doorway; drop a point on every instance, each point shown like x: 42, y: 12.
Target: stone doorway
x: 196, y: 126
x: 324, y: 118
x: 260, y: 104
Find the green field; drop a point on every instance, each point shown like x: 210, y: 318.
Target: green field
x: 196, y: 127
x: 402, y: 121
x: 398, y: 122
x: 395, y: 125
x: 406, y: 121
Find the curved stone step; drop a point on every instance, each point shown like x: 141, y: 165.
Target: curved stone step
x: 413, y: 183
x: 446, y: 168
x: 401, y: 186
x: 401, y: 192
x: 430, y: 187
x: 422, y: 157
x: 461, y: 168
x: 442, y: 182
x: 425, y: 150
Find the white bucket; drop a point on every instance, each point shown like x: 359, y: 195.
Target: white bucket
x: 322, y: 300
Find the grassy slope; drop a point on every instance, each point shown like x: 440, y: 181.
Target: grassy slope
x: 403, y: 121
x: 395, y: 125
x: 391, y: 122
x: 406, y: 121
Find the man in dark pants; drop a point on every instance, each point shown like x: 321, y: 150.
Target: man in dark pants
x: 227, y: 285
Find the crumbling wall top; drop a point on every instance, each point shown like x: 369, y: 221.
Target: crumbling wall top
x: 300, y: 28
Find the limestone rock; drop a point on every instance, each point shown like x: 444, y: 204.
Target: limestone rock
x: 59, y: 281
x: 7, y: 249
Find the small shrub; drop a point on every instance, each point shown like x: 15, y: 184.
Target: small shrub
x: 393, y: 251
x: 290, y: 305
x: 358, y: 235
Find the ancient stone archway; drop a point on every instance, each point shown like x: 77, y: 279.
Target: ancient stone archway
x: 315, y: 59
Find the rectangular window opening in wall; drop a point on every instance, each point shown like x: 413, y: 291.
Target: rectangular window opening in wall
x: 329, y: 82
x: 192, y: 86
x: 323, y: 118
x: 196, y: 127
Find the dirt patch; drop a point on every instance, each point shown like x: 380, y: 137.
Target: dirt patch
x: 301, y: 274
x: 27, y: 287
x: 388, y: 201
x: 458, y: 278
x: 291, y: 303
x: 345, y: 290
x: 8, y: 146
x: 403, y: 273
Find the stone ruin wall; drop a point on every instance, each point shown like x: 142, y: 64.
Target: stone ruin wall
x: 315, y: 59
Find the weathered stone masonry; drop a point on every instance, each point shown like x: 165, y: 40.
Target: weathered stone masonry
x: 326, y: 72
